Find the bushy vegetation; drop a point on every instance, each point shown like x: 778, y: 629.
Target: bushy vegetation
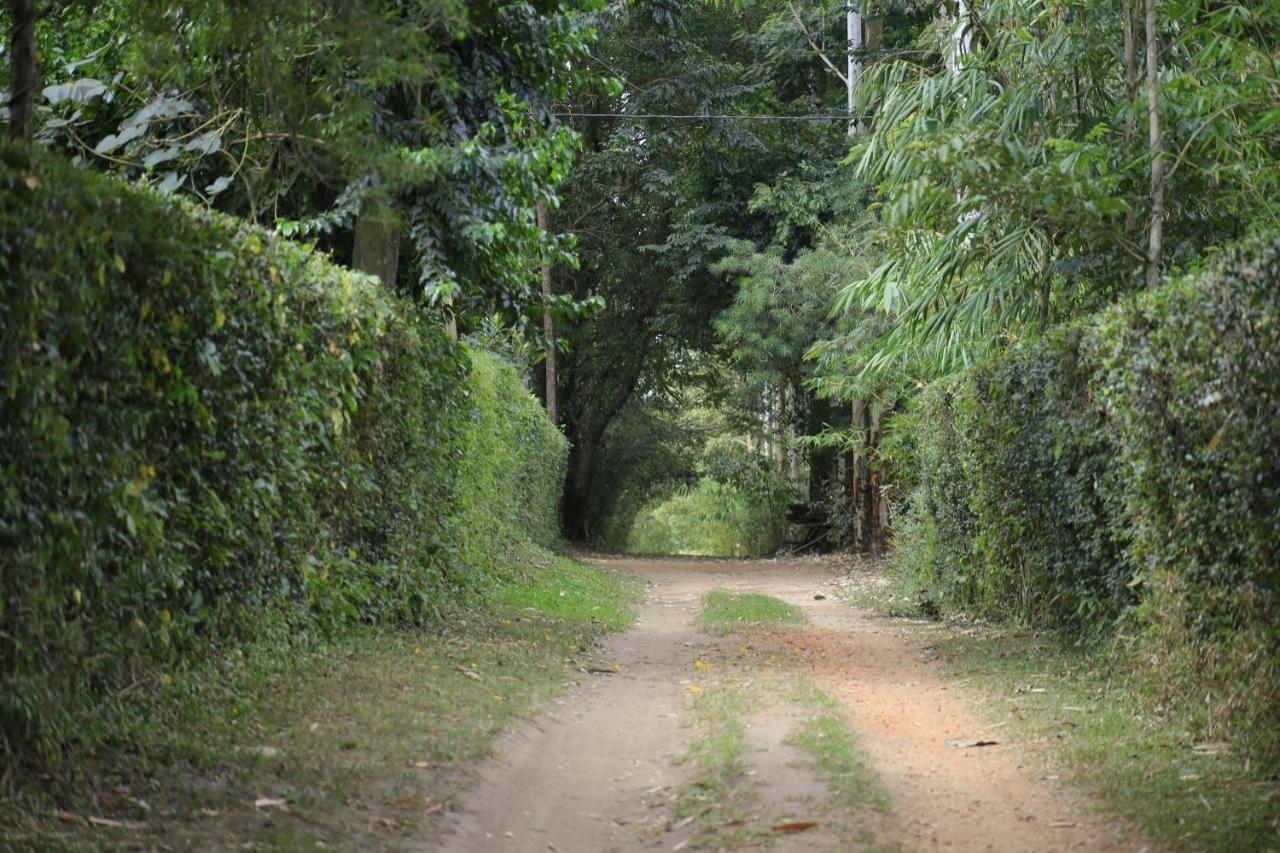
x: 511, y: 470
x: 203, y: 424
x: 736, y: 507
x: 709, y: 519
x: 1123, y: 471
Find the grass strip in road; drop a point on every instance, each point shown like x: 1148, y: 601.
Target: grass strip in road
x: 354, y: 744
x: 1102, y: 731
x: 833, y: 748
x: 725, y: 611
x: 719, y: 795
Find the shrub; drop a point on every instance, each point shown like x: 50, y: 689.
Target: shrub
x: 201, y: 423
x: 1127, y: 460
x: 1190, y: 376
x: 1039, y: 461
x: 511, y: 470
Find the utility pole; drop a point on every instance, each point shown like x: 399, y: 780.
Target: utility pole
x: 853, y: 68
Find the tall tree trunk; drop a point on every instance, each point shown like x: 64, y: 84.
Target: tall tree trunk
x: 24, y: 72
x: 548, y: 321
x: 377, y: 242
x: 875, y: 36
x: 1046, y: 280
x: 1155, y: 240
x: 1131, y: 90
x: 1130, y: 68
x: 877, y: 509
x: 575, y: 510
x: 859, y: 480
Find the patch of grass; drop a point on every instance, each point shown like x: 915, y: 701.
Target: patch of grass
x: 718, y: 797
x: 1142, y: 762
x: 834, y: 751
x: 724, y: 611
x: 575, y: 593
x: 294, y: 744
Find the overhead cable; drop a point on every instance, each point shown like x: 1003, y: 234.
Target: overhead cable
x: 712, y: 117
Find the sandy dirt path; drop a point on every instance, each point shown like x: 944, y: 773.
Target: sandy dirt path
x: 596, y: 772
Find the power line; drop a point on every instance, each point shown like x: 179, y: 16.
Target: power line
x: 712, y: 117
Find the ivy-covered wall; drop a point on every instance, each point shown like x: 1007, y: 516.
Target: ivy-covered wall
x: 201, y: 424
x: 1123, y: 472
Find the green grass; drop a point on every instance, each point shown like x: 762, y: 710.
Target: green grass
x: 719, y: 795
x: 570, y: 591
x: 357, y: 739
x: 724, y: 611
x: 833, y: 748
x: 1141, y: 761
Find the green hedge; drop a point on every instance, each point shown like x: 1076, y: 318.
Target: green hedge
x: 201, y: 424
x: 1124, y: 471
x: 512, y: 469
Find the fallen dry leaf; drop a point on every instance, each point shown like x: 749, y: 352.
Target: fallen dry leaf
x: 970, y: 744
x: 28, y: 180
x: 268, y: 803
x: 114, y: 824
x: 1216, y: 747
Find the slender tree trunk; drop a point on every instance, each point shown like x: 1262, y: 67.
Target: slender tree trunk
x: 377, y: 242
x: 450, y: 319
x: 877, y: 509
x: 1046, y: 280
x: 858, y: 477
x: 1130, y: 68
x: 24, y: 72
x: 1155, y: 240
x: 875, y: 36
x: 548, y: 321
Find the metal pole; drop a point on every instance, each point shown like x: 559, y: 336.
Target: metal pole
x: 853, y: 68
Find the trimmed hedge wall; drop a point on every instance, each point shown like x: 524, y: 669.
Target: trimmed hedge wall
x: 1124, y: 471
x: 512, y: 471
x: 201, y: 423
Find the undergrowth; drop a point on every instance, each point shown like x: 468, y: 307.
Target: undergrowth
x: 354, y: 741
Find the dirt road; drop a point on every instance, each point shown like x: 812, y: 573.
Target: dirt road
x: 599, y: 770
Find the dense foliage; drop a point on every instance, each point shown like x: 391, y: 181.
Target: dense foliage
x: 1013, y: 163
x: 413, y: 139
x: 201, y: 423
x: 1123, y: 467
x: 654, y: 203
x: 736, y: 508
